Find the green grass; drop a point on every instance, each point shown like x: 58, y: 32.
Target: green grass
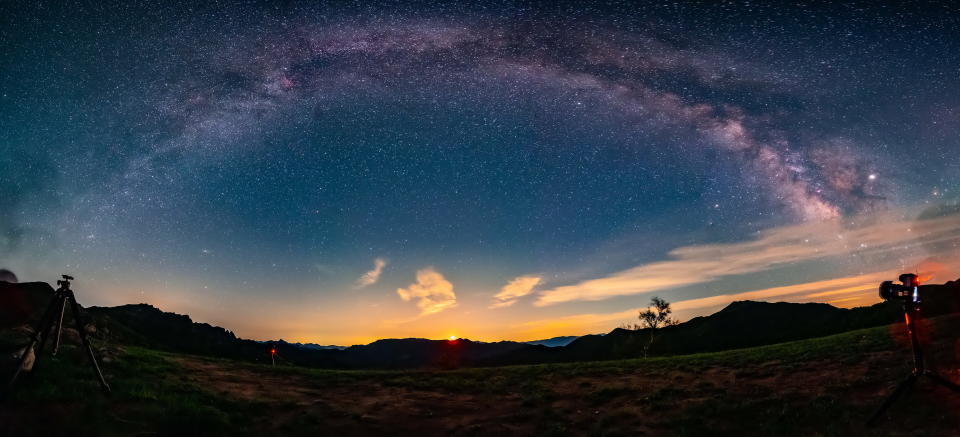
x: 150, y: 394
x: 146, y: 396
x: 848, y: 346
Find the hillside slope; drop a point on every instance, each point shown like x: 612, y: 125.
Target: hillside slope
x: 822, y: 386
x: 741, y: 324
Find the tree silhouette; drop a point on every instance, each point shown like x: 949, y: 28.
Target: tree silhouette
x: 656, y: 316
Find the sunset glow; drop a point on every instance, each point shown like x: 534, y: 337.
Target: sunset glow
x: 339, y: 176
x: 480, y: 217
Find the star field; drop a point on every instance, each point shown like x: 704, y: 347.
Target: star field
x: 207, y: 156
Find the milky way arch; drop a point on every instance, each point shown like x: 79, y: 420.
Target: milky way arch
x: 244, y: 84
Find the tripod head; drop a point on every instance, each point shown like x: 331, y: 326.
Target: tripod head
x: 65, y: 282
x: 907, y: 291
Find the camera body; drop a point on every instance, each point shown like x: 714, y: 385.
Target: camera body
x: 891, y: 291
x: 65, y: 282
x: 908, y: 290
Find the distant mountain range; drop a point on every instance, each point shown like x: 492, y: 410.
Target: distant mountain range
x: 740, y: 324
x: 309, y: 346
x: 555, y: 341
x: 550, y: 342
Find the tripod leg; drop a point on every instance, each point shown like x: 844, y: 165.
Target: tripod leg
x: 86, y: 345
x: 39, y: 332
x: 20, y: 363
x: 899, y: 391
x: 47, y: 326
x: 59, y: 328
x: 943, y: 381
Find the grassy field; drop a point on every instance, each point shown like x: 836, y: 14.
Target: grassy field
x: 823, y: 386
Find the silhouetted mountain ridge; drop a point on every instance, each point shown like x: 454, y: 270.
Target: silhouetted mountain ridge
x: 555, y: 341
x: 312, y: 346
x: 738, y: 325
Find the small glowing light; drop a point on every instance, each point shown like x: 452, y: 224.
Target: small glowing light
x: 452, y: 338
x: 872, y: 177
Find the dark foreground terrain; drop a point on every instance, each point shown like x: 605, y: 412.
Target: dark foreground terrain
x: 820, y: 386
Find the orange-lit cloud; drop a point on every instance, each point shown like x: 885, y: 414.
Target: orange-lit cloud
x: 805, y: 290
x: 371, y: 277
x: 865, y: 285
x: 854, y: 289
x: 843, y: 302
x: 773, y: 248
x: 515, y: 289
x: 433, y: 292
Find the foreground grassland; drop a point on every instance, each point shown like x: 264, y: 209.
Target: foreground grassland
x: 823, y: 386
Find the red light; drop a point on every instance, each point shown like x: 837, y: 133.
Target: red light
x: 273, y: 351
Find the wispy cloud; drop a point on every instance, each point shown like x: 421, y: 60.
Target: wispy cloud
x: 776, y: 247
x: 515, y: 289
x: 433, y: 292
x: 371, y: 277
x: 851, y: 288
x: 803, y: 291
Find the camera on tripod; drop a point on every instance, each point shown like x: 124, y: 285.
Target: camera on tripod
x: 907, y: 290
x: 51, y: 323
x: 65, y: 282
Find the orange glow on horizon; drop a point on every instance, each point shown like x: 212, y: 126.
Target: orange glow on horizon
x: 357, y: 319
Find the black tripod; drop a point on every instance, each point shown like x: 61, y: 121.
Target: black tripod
x: 911, y: 310
x: 53, y: 318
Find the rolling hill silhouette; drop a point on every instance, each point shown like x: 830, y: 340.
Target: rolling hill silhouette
x: 739, y: 325
x: 555, y: 341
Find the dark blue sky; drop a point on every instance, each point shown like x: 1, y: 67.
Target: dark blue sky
x: 203, y: 156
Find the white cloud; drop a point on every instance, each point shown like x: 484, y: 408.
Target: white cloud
x: 433, y: 292
x: 515, y: 289
x: 773, y: 248
x: 371, y: 277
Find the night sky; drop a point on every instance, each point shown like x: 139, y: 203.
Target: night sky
x: 341, y: 172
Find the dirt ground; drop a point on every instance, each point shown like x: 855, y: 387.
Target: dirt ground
x: 827, y: 386
x: 638, y: 402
